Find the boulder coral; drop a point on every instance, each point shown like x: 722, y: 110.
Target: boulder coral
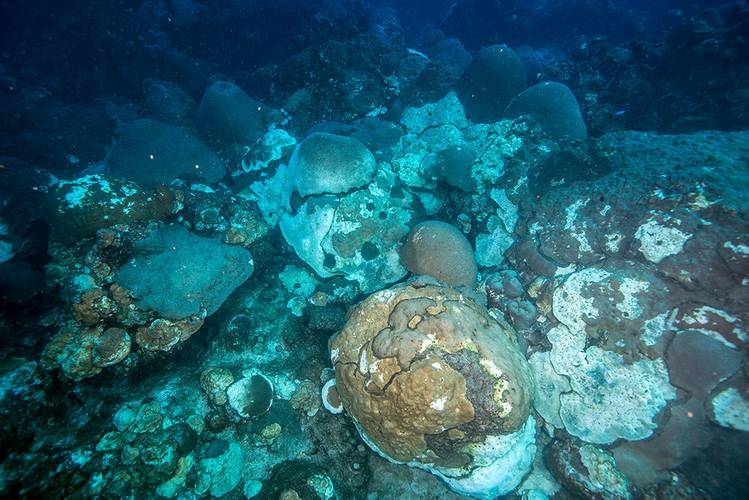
x: 496, y: 75
x: 155, y: 275
x: 432, y: 380
x: 554, y: 107
x: 438, y: 249
x: 328, y: 163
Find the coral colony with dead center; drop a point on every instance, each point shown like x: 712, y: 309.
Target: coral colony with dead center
x: 384, y: 249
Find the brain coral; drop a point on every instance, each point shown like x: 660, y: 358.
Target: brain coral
x: 328, y: 163
x: 437, y: 249
x: 433, y: 381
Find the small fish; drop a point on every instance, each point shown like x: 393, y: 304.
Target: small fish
x: 618, y: 113
x: 416, y: 52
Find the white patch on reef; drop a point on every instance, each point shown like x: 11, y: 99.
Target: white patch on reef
x: 607, y: 398
x: 699, y: 317
x: 658, y: 241
x: 744, y: 249
x: 571, y: 213
x: 6, y: 251
x: 335, y: 410
x: 305, y: 231
x: 507, y: 210
x: 535, y: 228
x: 201, y: 188
x: 564, y: 271
x: 630, y: 305
x: 81, y: 189
x: 491, y: 247
x: 569, y: 309
x: 446, y: 111
x: 499, y: 463
x: 269, y: 195
x: 654, y: 328
x: 491, y: 368
x: 439, y: 404
x: 613, y: 241
x: 548, y: 389
x: 298, y: 281
x: 603, y: 472
x: 540, y: 484
x: 731, y: 409
x: 417, y: 53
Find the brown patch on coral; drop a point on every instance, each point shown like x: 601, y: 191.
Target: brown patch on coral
x: 95, y: 306
x: 111, y: 347
x: 526, y: 252
x: 163, y: 334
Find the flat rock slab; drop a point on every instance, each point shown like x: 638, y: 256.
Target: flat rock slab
x: 177, y: 273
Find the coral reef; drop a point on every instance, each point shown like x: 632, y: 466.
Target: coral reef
x: 327, y: 249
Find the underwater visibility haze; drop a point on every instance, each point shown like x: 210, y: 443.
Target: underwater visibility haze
x: 386, y: 249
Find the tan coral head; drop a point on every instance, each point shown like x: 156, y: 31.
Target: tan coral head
x: 433, y: 381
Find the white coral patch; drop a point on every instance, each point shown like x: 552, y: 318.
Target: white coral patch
x: 654, y: 328
x: 658, y: 241
x: 491, y: 368
x: 731, y: 409
x: 736, y: 248
x: 439, y: 404
x: 570, y: 225
x: 613, y: 241
x: 700, y: 320
x: 630, y: 305
x: 569, y: 306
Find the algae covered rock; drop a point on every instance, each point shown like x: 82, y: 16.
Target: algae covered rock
x: 150, y: 152
x: 79, y: 207
x: 432, y: 381
x: 179, y: 274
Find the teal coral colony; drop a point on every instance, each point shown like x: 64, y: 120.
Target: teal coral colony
x: 374, y: 249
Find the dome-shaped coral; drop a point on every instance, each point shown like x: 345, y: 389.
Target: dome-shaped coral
x: 250, y: 397
x: 438, y: 249
x: 554, y: 107
x: 433, y: 381
x: 496, y: 75
x: 328, y: 163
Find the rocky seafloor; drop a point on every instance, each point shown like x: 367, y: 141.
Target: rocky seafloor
x: 377, y: 271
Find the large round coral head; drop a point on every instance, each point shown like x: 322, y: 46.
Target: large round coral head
x: 438, y: 249
x: 430, y: 379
